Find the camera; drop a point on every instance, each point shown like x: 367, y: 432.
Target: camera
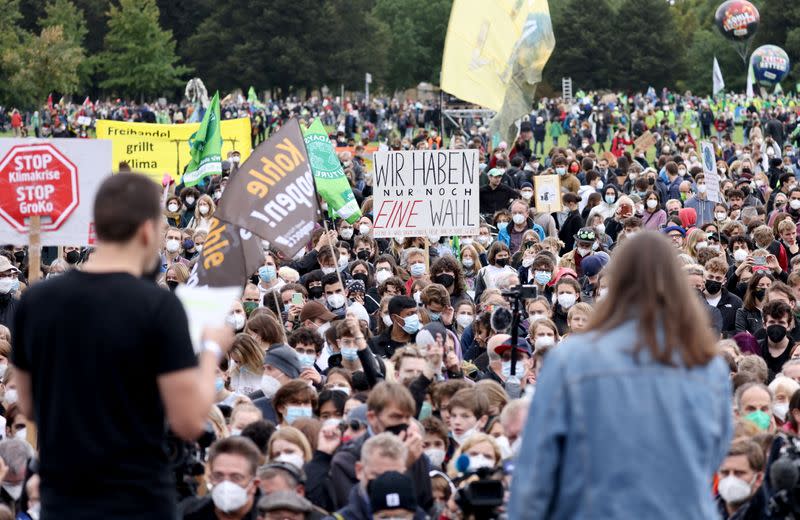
x: 482, y: 497
x: 187, y: 459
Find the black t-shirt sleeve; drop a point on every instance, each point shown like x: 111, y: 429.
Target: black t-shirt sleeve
x: 19, y: 352
x: 173, y: 347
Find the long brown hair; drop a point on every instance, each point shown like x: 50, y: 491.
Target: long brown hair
x: 646, y: 284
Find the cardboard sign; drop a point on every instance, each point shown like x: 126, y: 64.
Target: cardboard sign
x: 55, y: 180
x: 710, y: 171
x: 644, y: 141
x: 547, y: 193
x: 426, y: 192
x: 272, y: 194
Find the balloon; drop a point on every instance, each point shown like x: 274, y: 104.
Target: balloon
x: 737, y: 19
x: 770, y: 64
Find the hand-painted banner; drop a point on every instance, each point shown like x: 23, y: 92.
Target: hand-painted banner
x: 426, y: 192
x: 230, y: 255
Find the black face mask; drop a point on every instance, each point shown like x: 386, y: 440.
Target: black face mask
x: 397, y: 429
x: 72, y: 257
x: 362, y: 277
x: 760, y: 293
x: 315, y: 292
x: 776, y: 333
x: 741, y: 288
x: 172, y: 284
x: 19, y: 256
x: 713, y: 286
x: 363, y: 254
x: 501, y: 262
x: 445, y: 279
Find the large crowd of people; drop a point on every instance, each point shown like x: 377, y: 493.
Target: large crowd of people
x: 653, y: 369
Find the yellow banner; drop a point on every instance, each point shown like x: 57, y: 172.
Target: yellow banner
x: 158, y: 149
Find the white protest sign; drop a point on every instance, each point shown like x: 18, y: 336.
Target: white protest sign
x: 206, y: 307
x: 425, y: 192
x: 710, y: 171
x: 547, y: 198
x: 84, y: 121
x: 56, y: 180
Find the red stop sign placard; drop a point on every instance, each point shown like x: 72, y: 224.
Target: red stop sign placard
x: 37, y: 179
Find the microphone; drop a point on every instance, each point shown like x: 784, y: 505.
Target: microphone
x: 783, y: 474
x: 462, y: 463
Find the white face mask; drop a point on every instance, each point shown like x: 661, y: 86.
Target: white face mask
x: 734, y: 490
x: 173, y: 208
x: 14, y: 491
x: 363, y: 229
x: 345, y: 389
x: 720, y: 216
x: 461, y: 439
x: 700, y: 245
x: 336, y: 300
x: 237, y: 321
x: 464, y: 320
x: 387, y: 320
x: 479, y: 461
x: 418, y: 297
x: 346, y: 233
x: 780, y: 410
x: 701, y: 188
x: 436, y: 456
x: 190, y: 200
x: 322, y: 329
x: 11, y: 396
x: 527, y: 262
x: 328, y: 270
x: 21, y: 434
x: 544, y: 342
x: 343, y: 261
x: 228, y: 497
x: 203, y: 209
x: 527, y: 195
x: 505, y: 447
x: 269, y: 385
x: 382, y: 275
x: 583, y: 251
x: 794, y: 203
x: 740, y: 255
x: 173, y: 246
x: 652, y: 203
x: 518, y: 218
x: 468, y: 262
x: 292, y: 458
x: 566, y: 300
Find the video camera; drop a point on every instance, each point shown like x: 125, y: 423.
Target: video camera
x: 482, y: 497
x: 187, y: 459
x: 503, y: 319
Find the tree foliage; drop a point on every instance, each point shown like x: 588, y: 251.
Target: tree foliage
x: 139, y: 57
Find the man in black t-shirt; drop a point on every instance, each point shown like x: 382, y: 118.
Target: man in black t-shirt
x: 104, y: 361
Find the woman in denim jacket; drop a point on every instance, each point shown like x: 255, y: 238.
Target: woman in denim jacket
x: 632, y: 418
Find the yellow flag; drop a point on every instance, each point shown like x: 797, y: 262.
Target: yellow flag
x: 495, y: 52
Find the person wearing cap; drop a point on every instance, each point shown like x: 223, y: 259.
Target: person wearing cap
x: 496, y: 195
x: 499, y: 350
x: 286, y: 505
x: 391, y: 496
x: 591, y: 267
x: 281, y: 365
x: 282, y: 476
x: 585, y: 245
x: 676, y: 234
x: 569, y: 221
x: 316, y: 317
x: 9, y: 284
x: 231, y: 472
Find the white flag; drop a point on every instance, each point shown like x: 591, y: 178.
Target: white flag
x: 751, y: 78
x: 719, y: 83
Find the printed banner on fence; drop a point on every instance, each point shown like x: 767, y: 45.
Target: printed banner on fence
x: 425, y: 192
x: 158, y: 149
x: 547, y: 193
x: 332, y: 185
x: 230, y: 255
x: 273, y: 194
x: 710, y: 171
x: 55, y: 179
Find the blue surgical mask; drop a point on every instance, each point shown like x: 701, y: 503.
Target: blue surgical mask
x: 306, y: 360
x: 610, y: 199
x: 411, y: 324
x: 14, y: 285
x: 219, y: 384
x: 417, y: 269
x: 267, y: 273
x: 502, y: 225
x: 435, y: 316
x: 297, y: 412
x: 505, y: 369
x: 349, y: 354
x: 542, y: 277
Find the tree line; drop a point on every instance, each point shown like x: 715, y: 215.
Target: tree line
x: 148, y: 48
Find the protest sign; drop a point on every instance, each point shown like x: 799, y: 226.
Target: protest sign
x: 425, y: 192
x: 547, y: 193
x: 84, y: 121
x: 54, y: 180
x: 710, y: 171
x: 272, y: 194
x: 206, y: 307
x: 644, y: 141
x: 230, y: 255
x: 155, y: 149
x: 332, y: 185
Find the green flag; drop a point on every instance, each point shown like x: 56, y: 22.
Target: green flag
x: 206, y: 147
x: 252, y: 99
x: 329, y: 177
